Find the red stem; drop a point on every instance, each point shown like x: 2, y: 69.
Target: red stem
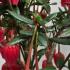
x: 30, y: 50
x: 35, y: 51
x: 28, y: 59
x: 36, y: 59
x: 36, y: 62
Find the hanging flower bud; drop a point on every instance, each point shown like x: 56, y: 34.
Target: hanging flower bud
x: 14, y: 2
x: 44, y: 64
x: 43, y: 14
x: 47, y: 66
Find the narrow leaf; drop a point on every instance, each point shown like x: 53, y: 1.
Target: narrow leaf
x: 41, y: 52
x: 20, y: 17
x: 42, y: 39
x: 16, y: 40
x: 27, y: 33
x: 50, y: 17
x: 61, y: 40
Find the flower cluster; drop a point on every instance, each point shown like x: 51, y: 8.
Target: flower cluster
x: 10, y: 53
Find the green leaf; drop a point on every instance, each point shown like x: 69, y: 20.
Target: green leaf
x: 50, y: 17
x: 42, y: 39
x: 16, y: 40
x: 45, y: 4
x: 41, y: 53
x: 40, y: 1
x: 61, y: 11
x: 27, y: 33
x: 47, y: 8
x: 66, y: 32
x: 20, y: 17
x: 66, y: 21
x: 16, y: 9
x: 61, y: 40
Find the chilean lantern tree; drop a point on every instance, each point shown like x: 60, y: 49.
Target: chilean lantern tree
x: 24, y: 28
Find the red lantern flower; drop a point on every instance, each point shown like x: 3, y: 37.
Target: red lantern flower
x: 44, y: 64
x: 14, y: 2
x: 59, y: 59
x: 10, y: 53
